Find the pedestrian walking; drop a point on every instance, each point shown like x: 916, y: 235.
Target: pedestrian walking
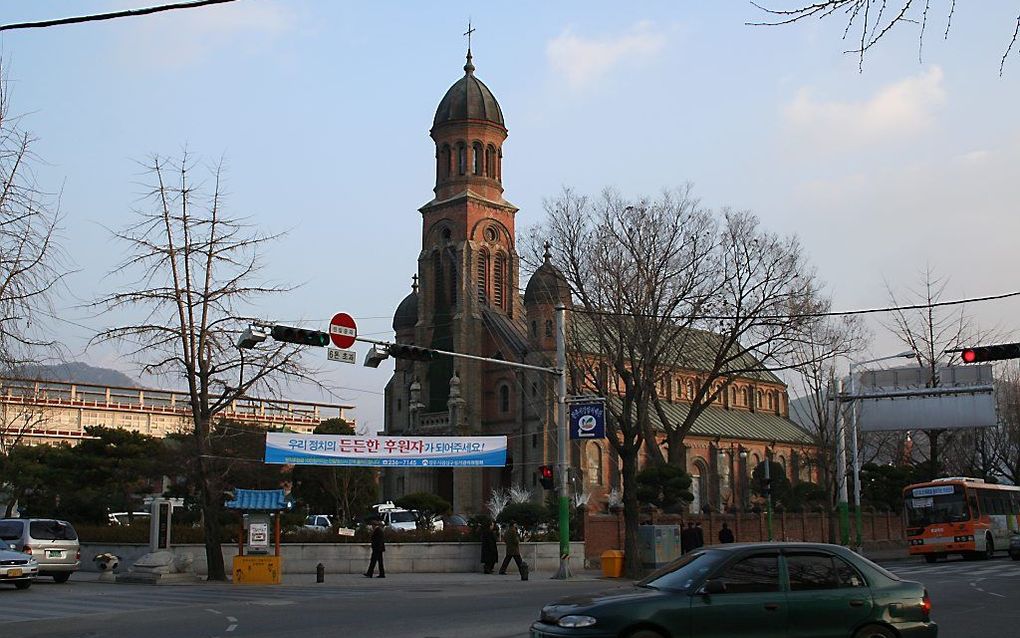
x: 490, y: 553
x: 378, y: 547
x: 726, y: 534
x: 687, y: 538
x: 699, y: 535
x: 513, y: 549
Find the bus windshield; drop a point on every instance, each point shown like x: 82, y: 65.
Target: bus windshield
x: 942, y: 504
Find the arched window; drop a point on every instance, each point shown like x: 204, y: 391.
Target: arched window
x: 476, y: 158
x: 690, y: 390
x: 699, y: 485
x: 499, y: 281
x: 461, y: 158
x: 733, y: 395
x: 481, y: 276
x: 548, y: 328
x: 453, y: 282
x: 490, y: 161
x: 504, y: 398
x: 499, y: 163
x: 782, y: 462
x: 437, y: 271
x: 594, y: 453
x: 771, y: 400
x: 759, y: 398
x: 743, y: 396
x: 443, y: 168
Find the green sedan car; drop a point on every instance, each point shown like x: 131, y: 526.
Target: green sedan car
x: 765, y: 590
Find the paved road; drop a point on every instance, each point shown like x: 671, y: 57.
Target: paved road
x: 970, y: 599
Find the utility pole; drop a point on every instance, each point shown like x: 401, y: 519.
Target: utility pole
x: 842, y: 506
x: 563, y: 441
x: 768, y: 490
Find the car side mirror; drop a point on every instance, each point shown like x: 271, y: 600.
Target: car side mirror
x: 714, y: 586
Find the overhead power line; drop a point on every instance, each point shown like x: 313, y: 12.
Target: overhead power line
x: 832, y: 313
x: 129, y: 13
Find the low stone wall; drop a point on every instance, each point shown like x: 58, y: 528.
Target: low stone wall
x: 352, y: 558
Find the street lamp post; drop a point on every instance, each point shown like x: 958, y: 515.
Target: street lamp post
x: 855, y: 453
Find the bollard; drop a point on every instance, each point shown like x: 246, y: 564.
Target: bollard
x: 524, y: 570
x: 320, y: 573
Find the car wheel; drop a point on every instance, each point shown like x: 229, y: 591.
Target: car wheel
x: 930, y: 558
x: 61, y: 577
x: 23, y: 584
x: 874, y: 631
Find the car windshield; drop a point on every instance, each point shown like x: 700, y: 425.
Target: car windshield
x: 926, y: 505
x: 684, y: 572
x: 402, y: 517
x: 52, y: 531
x: 10, y: 530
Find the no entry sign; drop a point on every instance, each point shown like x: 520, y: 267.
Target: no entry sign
x: 342, y: 330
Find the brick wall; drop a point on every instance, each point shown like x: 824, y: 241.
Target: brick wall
x: 605, y: 531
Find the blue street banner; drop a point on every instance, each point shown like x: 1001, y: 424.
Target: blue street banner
x: 284, y: 448
x: 588, y: 420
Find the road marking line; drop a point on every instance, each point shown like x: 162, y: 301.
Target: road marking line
x: 213, y: 611
x: 231, y: 627
x: 231, y: 619
x: 994, y: 594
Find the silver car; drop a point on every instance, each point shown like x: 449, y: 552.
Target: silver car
x: 16, y: 567
x: 52, y: 543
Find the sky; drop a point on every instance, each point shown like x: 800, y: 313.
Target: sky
x: 321, y: 112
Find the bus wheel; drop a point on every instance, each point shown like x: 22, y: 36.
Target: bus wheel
x: 930, y: 558
x: 989, y: 548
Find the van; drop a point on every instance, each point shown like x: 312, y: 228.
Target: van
x: 53, y: 543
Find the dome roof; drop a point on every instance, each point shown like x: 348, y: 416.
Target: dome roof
x: 406, y: 316
x: 468, y: 99
x: 547, y: 285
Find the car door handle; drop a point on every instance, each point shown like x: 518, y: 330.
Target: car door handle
x: 856, y: 603
x: 771, y: 606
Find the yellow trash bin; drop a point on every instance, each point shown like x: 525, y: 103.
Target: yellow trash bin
x: 612, y: 563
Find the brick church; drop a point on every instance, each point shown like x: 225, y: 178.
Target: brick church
x: 465, y: 298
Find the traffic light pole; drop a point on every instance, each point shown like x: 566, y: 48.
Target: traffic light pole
x: 842, y: 506
x: 564, y: 459
x: 768, y: 492
x: 461, y: 355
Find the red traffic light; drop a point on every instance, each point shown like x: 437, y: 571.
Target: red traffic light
x: 546, y: 472
x: 545, y: 476
x: 969, y: 356
x: 997, y: 352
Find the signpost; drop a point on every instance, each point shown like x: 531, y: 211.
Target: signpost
x: 343, y: 356
x: 342, y: 330
x: 587, y: 418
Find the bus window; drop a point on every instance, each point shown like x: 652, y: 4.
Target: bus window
x: 974, y: 512
x: 937, y: 508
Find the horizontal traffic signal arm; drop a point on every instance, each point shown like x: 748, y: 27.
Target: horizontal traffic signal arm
x: 999, y: 352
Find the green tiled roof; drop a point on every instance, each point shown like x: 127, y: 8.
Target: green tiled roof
x: 701, y: 348
x: 734, y: 424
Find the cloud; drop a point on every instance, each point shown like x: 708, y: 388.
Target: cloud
x: 584, y: 61
x: 183, y: 38
x: 899, y: 110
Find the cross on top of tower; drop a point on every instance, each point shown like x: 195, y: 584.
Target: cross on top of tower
x: 469, y: 68
x: 548, y: 253
x: 414, y: 283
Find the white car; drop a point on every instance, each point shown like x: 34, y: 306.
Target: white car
x: 318, y: 523
x: 400, y: 519
x: 17, y: 568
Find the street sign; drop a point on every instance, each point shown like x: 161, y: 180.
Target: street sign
x: 342, y: 330
x: 343, y: 356
x: 588, y: 420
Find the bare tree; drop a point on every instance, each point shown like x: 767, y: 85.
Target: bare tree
x: 196, y: 275
x: 1005, y: 439
x: 930, y: 332
x: 869, y: 21
x: 817, y: 377
x: 662, y: 285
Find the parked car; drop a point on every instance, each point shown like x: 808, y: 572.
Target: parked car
x: 457, y: 523
x: 16, y: 567
x: 393, y: 517
x: 318, y: 523
x: 53, y: 544
x: 760, y: 589
x: 1014, y: 546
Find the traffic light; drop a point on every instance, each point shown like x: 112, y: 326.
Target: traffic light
x: 978, y: 354
x: 545, y: 476
x: 414, y: 353
x: 300, y: 336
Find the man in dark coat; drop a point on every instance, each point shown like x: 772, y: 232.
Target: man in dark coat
x: 687, y: 539
x: 726, y: 534
x: 490, y: 554
x: 513, y: 549
x: 378, y: 547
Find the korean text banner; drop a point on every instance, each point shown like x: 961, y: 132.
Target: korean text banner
x: 385, y: 451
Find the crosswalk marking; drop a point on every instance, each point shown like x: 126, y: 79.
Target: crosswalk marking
x: 956, y: 567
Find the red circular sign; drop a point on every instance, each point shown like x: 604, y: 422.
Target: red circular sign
x: 342, y: 330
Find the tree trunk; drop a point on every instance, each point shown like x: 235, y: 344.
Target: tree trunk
x: 211, y: 508
x: 632, y: 558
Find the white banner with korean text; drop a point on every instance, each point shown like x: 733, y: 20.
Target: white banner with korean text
x: 284, y: 448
